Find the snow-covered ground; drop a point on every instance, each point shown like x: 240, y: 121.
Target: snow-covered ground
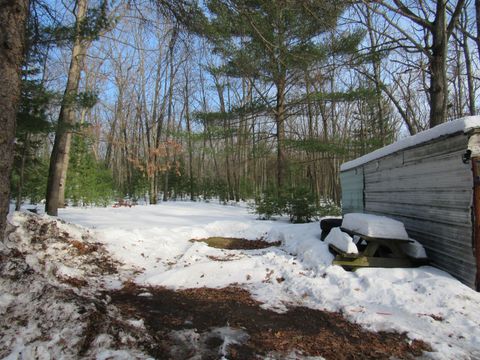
x: 425, y: 302
x: 51, y: 307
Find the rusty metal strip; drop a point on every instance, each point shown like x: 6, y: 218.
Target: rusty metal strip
x: 476, y: 218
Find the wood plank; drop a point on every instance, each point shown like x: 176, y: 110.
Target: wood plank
x: 365, y: 261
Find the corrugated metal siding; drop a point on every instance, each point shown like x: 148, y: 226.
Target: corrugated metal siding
x: 351, y: 182
x: 429, y: 189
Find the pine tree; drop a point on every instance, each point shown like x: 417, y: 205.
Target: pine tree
x: 32, y: 118
x: 275, y: 42
x: 88, y: 182
x: 32, y: 127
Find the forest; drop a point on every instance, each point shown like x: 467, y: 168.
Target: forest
x: 236, y: 118
x: 235, y: 100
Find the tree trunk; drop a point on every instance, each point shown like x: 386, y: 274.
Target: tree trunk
x: 189, y: 134
x: 468, y: 66
x: 153, y: 181
x: 438, y: 79
x: 63, y: 177
x: 477, y: 16
x: 376, y: 64
x: 111, y: 134
x: 226, y: 127
x: 456, y: 107
x: 471, y: 87
x: 13, y: 16
x: 173, y: 70
x: 280, y: 122
x: 311, y: 168
x: 21, y: 173
x: 66, y: 120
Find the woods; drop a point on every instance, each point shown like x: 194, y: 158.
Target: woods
x: 186, y: 179
x: 233, y: 100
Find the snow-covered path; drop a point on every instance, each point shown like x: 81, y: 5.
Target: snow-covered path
x: 425, y: 302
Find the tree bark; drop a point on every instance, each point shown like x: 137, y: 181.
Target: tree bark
x: 280, y: 122
x: 468, y: 66
x: 226, y: 127
x: 438, y: 76
x: 477, y: 17
x: 66, y: 120
x: 471, y: 87
x: 376, y: 65
x: 173, y: 71
x: 13, y: 16
x: 312, y: 164
x: 21, y: 173
x: 189, y: 134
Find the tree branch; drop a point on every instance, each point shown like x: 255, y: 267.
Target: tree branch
x: 455, y: 15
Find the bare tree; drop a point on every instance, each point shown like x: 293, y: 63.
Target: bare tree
x: 438, y: 23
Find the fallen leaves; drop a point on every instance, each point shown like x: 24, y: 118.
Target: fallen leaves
x: 301, y: 330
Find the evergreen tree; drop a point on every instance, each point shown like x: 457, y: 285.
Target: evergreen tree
x: 275, y: 42
x: 32, y: 127
x: 28, y: 176
x: 88, y: 182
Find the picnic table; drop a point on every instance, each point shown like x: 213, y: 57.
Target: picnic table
x: 369, y: 240
x: 374, y: 252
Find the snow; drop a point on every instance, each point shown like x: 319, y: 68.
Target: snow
x: 425, y: 302
x: 375, y: 226
x: 43, y: 317
x: 193, y: 341
x: 342, y: 241
x: 460, y: 125
x: 414, y: 249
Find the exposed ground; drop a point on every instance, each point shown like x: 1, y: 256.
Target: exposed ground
x: 301, y: 330
x: 236, y: 243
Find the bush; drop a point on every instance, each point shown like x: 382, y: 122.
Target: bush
x: 301, y: 205
x: 269, y: 205
x: 88, y: 181
x: 329, y: 208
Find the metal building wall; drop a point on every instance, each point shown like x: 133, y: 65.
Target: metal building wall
x: 430, y: 190
x: 351, y: 182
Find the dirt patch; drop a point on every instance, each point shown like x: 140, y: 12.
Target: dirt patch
x: 75, y: 282
x: 45, y: 234
x: 306, y: 331
x: 82, y: 247
x: 228, y: 257
x: 236, y: 243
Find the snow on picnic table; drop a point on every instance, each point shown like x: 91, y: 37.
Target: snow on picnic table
x: 425, y: 302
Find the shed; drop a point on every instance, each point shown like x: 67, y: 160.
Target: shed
x: 430, y: 182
